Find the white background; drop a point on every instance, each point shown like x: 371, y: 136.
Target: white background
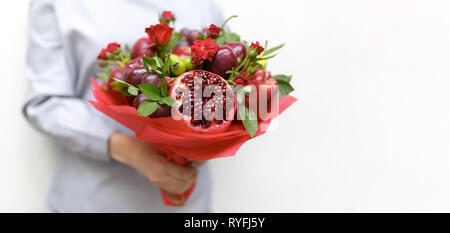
x: 371, y: 131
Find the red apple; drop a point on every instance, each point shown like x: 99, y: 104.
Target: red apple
x: 117, y: 73
x: 182, y: 51
x: 143, y: 46
x: 264, y: 83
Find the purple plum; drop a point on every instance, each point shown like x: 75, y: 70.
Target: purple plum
x: 224, y: 61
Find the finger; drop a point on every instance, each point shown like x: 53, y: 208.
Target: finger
x: 180, y: 172
x: 176, y: 186
x: 197, y: 164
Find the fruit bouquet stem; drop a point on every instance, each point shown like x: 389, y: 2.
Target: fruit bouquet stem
x: 191, y: 94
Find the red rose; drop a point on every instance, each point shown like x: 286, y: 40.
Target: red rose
x: 106, y: 52
x: 103, y: 55
x: 167, y: 16
x: 203, y: 50
x: 159, y: 33
x: 112, y: 47
x: 213, y: 31
x: 258, y: 48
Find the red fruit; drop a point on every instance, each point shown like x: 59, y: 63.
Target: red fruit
x: 190, y: 35
x: 193, y: 35
x: 183, y: 43
x: 264, y: 83
x: 134, y: 73
x: 151, y: 78
x: 182, y: 51
x: 185, y: 32
x: 143, y: 46
x: 162, y: 111
x: 168, y: 81
x: 138, y: 100
x: 239, y: 49
x: 262, y: 80
x: 205, y: 31
x: 224, y: 61
x: 132, y: 70
x: 213, y: 112
x: 117, y: 74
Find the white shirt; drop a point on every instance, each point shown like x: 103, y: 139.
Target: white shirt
x: 65, y: 37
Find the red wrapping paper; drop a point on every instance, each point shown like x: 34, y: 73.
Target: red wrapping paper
x: 171, y: 139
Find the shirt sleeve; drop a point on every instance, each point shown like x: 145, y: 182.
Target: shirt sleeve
x: 52, y: 105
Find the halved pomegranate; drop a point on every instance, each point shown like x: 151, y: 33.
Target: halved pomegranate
x: 206, y: 102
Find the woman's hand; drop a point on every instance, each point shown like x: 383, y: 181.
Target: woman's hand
x: 141, y: 156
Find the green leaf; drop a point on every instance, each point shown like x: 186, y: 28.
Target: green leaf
x: 166, y: 68
x: 226, y: 37
x: 201, y: 37
x: 147, y: 68
x: 124, y: 91
x: 267, y: 58
x: 272, y: 50
x: 151, y: 91
x: 116, y: 86
x: 249, y: 119
x: 133, y: 90
x: 159, y: 61
x: 147, y: 108
x: 282, y: 78
x: 176, y: 37
x: 168, y: 101
x: 150, y: 62
x: 124, y: 87
x: 284, y: 88
x: 164, y: 89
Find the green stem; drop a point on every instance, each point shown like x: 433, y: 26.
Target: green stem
x: 241, y: 65
x: 226, y: 21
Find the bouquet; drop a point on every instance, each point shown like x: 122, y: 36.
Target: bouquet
x: 193, y: 95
